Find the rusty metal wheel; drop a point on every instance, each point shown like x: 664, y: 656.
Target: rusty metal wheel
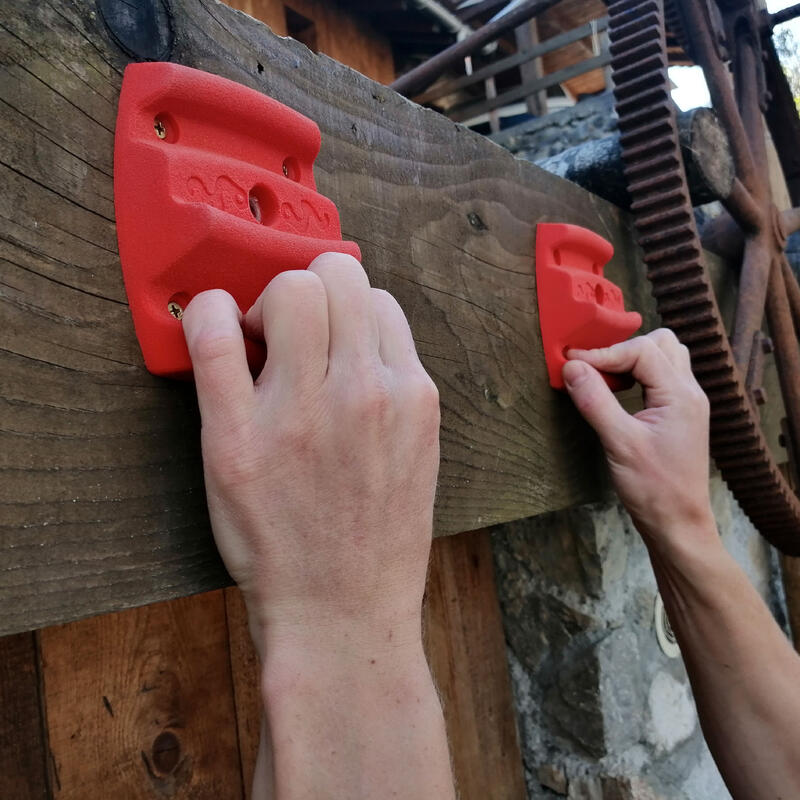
x: 730, y: 370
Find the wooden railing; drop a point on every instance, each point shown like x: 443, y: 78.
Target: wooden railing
x: 533, y: 81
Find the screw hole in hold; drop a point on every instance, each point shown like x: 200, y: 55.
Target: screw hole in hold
x: 255, y: 207
x: 599, y: 294
x: 177, y: 303
x: 263, y: 204
x: 260, y: 68
x: 291, y: 169
x: 165, y: 128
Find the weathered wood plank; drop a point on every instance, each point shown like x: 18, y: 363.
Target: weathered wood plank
x: 140, y: 704
x: 101, y: 498
x: 23, y: 750
x: 467, y: 652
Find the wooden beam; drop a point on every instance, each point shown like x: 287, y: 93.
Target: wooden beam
x: 101, y: 499
x: 425, y: 74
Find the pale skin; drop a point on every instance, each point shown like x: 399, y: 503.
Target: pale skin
x: 321, y: 477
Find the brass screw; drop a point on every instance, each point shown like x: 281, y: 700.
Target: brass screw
x: 160, y: 128
x: 285, y: 169
x: 174, y: 309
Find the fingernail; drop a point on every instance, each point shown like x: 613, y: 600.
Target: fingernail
x: 574, y: 373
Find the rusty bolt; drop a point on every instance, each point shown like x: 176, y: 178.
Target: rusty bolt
x: 760, y: 395
x: 767, y: 345
x: 175, y: 309
x: 160, y: 128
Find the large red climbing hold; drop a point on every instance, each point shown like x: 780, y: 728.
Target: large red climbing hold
x: 578, y: 307
x: 213, y: 189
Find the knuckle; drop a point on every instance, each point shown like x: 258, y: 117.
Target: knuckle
x: 335, y: 261
x: 211, y: 347
x: 373, y: 398
x: 294, y: 280
x: 664, y: 335
x: 425, y: 395
x: 648, y: 347
x: 233, y: 463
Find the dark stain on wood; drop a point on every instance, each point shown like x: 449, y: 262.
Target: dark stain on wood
x: 23, y: 749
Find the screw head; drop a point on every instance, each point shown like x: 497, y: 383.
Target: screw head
x: 285, y: 168
x: 160, y: 128
x: 175, y: 309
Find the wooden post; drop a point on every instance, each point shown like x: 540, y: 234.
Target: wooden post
x: 527, y: 36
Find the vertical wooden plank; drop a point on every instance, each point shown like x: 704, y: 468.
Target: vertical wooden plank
x: 526, y: 37
x: 139, y: 704
x: 466, y: 649
x: 245, y: 669
x: 22, y: 745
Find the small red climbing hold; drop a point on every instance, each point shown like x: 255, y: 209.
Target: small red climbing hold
x: 578, y: 307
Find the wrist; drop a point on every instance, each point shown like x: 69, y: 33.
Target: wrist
x: 691, y: 565
x: 340, y: 637
x: 355, y: 679
x: 681, y: 537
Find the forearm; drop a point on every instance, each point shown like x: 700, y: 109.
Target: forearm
x: 744, y: 673
x: 352, y: 725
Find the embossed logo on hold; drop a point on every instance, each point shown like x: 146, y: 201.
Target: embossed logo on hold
x: 226, y: 195
x: 305, y: 218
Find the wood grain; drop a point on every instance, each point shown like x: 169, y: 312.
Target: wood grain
x: 140, y: 704
x: 466, y: 649
x: 246, y: 673
x: 101, y: 499
x: 22, y: 742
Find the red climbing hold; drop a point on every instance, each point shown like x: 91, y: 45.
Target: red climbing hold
x: 578, y: 307
x: 213, y: 189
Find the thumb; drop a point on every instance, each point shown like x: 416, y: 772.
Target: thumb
x: 595, y: 401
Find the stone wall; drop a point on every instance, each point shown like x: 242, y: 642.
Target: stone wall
x: 543, y: 137
x: 603, y: 712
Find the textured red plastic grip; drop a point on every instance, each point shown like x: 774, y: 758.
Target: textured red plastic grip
x: 213, y: 189
x: 578, y: 307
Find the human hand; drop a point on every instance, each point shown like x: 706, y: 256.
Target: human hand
x: 321, y: 473
x: 658, y: 457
